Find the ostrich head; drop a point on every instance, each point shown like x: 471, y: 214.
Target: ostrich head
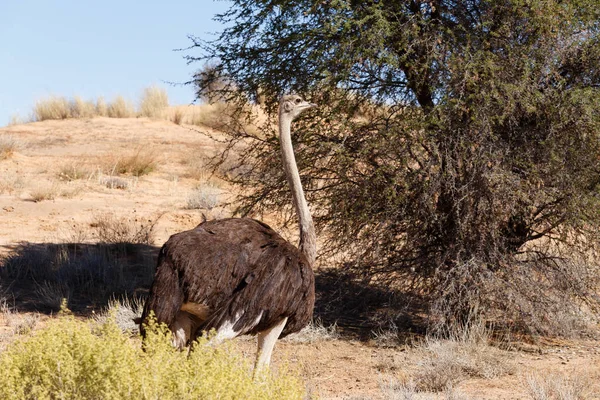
x: 292, y: 105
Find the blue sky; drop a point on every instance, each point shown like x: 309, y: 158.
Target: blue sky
x: 97, y: 48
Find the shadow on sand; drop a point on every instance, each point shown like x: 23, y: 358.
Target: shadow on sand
x: 35, y: 277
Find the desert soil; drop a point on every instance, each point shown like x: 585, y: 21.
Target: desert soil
x: 333, y: 368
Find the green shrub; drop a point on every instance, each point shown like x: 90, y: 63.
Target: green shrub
x: 72, y: 359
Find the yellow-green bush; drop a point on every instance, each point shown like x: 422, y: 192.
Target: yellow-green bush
x: 71, y: 359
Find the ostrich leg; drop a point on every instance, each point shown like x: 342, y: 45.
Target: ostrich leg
x: 266, y: 342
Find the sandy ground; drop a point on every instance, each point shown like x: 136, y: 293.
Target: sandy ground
x: 334, y: 368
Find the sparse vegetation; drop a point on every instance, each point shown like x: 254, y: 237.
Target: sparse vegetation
x: 8, y: 145
x: 78, y: 108
x: 71, y: 359
x: 154, y: 102
x: 114, y: 182
x: 44, y: 192
x: 53, y: 107
x: 177, y: 116
x: 26, y: 324
x: 314, y: 332
x: 108, y: 228
x: 395, y: 390
x: 558, y: 387
x: 123, y: 311
x: 138, y: 164
x: 117, y: 263
x: 465, y: 353
x: 16, y: 119
x: 120, y: 108
x: 60, y: 107
x: 11, y: 183
x: 52, y: 294
x: 204, y: 197
x: 74, y: 171
x: 101, y: 107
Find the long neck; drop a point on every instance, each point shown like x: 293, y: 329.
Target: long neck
x: 308, y: 238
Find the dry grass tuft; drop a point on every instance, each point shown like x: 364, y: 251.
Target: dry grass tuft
x: 26, y: 325
x: 11, y: 183
x: 210, y: 115
x: 205, y: 197
x: 123, y: 310
x: 112, y: 229
x: 78, y: 108
x: 397, y: 390
x: 8, y: 145
x: 101, y: 107
x: 466, y: 353
x: 558, y: 387
x: 16, y: 119
x: 177, y: 116
x: 52, y: 294
x: 43, y: 193
x: 120, y: 108
x: 154, y: 102
x: 314, y: 332
x: 74, y: 171
x: 52, y: 107
x: 140, y: 163
x: 113, y: 258
x: 114, y: 182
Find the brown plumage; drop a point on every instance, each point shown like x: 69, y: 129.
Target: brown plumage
x: 238, y: 276
x: 232, y: 266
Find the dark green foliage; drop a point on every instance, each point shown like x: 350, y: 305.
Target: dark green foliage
x: 455, y: 151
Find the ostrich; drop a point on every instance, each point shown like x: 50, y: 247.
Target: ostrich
x: 238, y: 275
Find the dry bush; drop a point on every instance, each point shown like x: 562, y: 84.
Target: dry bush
x: 120, y: 108
x: 8, y: 145
x: 74, y: 171
x: 53, y: 294
x: 464, y: 354
x: 142, y: 162
x: 154, y: 102
x: 108, y: 228
x: 101, y: 107
x: 123, y: 311
x: 205, y: 197
x: 26, y: 324
x: 43, y: 193
x: 196, y: 168
x: 205, y: 115
x: 79, y: 108
x: 176, y: 116
x: 388, y: 336
x: 210, y: 115
x: 396, y: 390
x: 114, y: 182
x: 558, y: 387
x: 314, y: 332
x: 11, y: 183
x: 6, y: 311
x: 52, y: 107
x: 16, y: 119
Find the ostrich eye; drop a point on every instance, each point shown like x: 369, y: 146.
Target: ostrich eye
x: 298, y: 101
